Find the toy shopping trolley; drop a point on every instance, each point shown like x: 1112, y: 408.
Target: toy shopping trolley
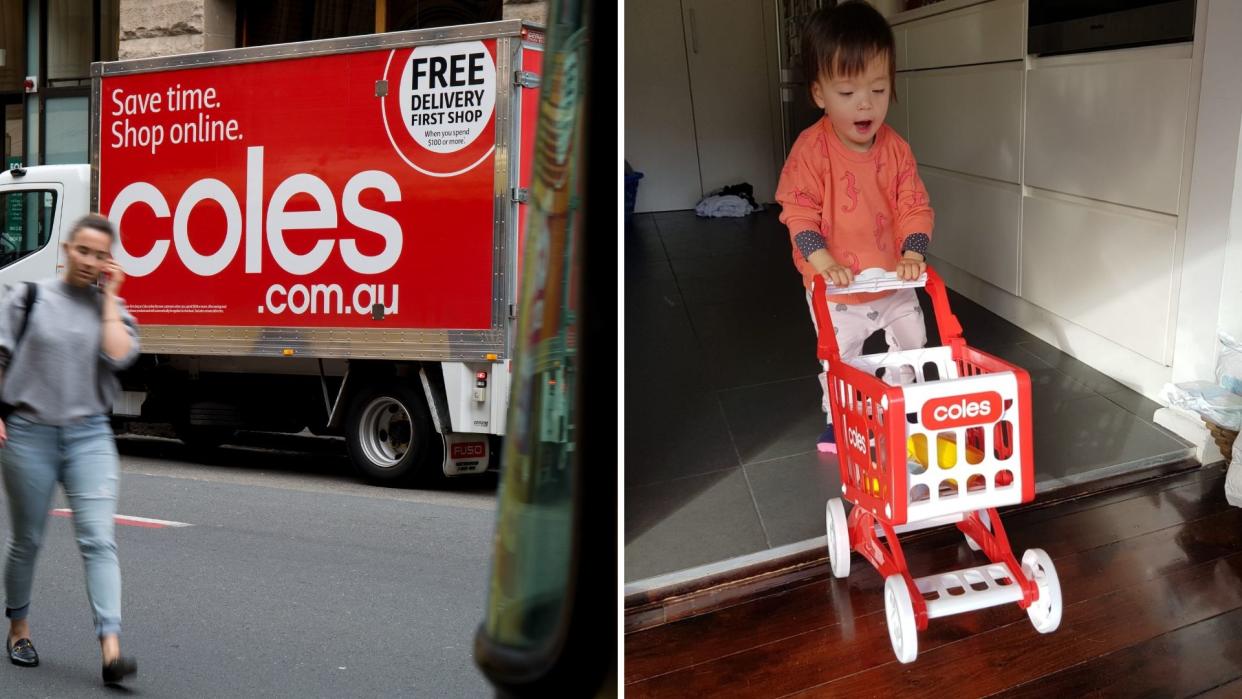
x: 928, y: 437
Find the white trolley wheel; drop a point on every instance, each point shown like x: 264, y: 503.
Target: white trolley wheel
x: 1045, y: 612
x: 838, y: 538
x: 899, y: 611
x: 983, y: 516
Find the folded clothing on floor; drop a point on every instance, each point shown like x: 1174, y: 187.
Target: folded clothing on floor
x: 717, y: 206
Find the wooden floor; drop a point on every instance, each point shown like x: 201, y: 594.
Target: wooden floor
x: 1151, y: 578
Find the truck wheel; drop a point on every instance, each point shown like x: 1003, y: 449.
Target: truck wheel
x: 390, y: 436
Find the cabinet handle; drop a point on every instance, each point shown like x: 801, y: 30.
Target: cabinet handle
x: 694, y: 32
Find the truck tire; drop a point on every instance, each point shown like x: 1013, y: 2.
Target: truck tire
x: 390, y: 437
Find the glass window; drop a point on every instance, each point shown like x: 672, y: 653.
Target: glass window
x: 67, y: 121
x: 69, y: 40
x: 420, y: 14
x: 13, y: 138
x: 28, y: 218
x: 31, y: 142
x: 263, y: 22
x: 12, y: 46
x: 109, y: 29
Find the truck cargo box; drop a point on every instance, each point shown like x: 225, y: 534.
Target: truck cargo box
x: 353, y: 198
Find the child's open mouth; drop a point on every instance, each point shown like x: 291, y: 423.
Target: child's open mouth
x: 862, y: 126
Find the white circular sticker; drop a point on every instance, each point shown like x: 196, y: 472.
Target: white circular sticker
x: 447, y: 94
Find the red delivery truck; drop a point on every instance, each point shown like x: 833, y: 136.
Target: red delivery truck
x: 321, y: 235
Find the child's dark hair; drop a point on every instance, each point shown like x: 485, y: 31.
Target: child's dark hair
x: 95, y: 222
x: 841, y: 40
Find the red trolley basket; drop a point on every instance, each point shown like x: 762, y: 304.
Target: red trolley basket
x: 928, y: 437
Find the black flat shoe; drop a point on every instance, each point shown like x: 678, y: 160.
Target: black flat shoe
x: 22, y: 653
x: 117, y: 670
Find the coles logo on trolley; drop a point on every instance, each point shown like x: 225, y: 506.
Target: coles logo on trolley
x: 961, y: 411
x: 856, y: 439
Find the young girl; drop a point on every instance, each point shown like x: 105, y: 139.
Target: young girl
x: 850, y: 191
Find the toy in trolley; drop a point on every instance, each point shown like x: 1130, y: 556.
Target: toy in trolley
x: 924, y: 438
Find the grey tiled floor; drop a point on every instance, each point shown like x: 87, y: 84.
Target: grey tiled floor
x: 722, y: 404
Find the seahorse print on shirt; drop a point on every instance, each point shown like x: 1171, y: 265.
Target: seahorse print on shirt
x: 881, y: 239
x: 851, y: 261
x: 851, y: 191
x: 904, y: 175
x: 802, y: 198
x: 822, y: 142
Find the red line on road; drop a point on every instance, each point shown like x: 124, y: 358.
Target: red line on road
x: 128, y: 520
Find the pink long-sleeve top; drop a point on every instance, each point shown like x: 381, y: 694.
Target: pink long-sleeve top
x: 865, y: 206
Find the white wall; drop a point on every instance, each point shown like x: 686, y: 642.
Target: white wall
x: 1231, y: 286
x: 1206, y: 281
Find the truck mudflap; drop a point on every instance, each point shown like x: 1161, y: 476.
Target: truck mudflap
x: 466, y: 453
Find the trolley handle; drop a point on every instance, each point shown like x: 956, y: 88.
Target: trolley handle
x: 872, y: 280
x: 875, y: 279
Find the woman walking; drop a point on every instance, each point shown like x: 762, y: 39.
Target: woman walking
x: 61, y: 340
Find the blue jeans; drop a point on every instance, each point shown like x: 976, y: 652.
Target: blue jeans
x: 82, y: 457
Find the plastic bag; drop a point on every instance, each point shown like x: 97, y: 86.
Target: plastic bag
x: 1233, y: 477
x: 1211, y: 401
x: 1229, y: 364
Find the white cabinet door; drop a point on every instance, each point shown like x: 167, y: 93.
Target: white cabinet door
x: 1110, y: 126
x: 730, y: 90
x: 992, y: 31
x: 976, y: 225
x: 968, y: 119
x: 1104, y: 267
x: 659, y: 120
x: 899, y: 110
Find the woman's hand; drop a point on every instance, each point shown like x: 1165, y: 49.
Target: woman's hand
x: 4, y: 434
x: 911, y: 266
x: 114, y: 277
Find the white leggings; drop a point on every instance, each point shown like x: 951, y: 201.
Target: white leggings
x: 898, y: 315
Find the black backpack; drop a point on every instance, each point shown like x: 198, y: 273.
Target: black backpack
x: 32, y: 295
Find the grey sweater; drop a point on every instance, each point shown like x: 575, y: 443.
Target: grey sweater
x: 60, y: 373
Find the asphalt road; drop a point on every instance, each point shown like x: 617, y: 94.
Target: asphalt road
x: 292, y: 580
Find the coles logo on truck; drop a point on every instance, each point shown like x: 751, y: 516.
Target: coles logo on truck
x: 960, y: 411
x: 350, y: 190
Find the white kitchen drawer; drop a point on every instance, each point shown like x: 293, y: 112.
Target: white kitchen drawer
x: 968, y: 119
x: 1104, y: 267
x: 976, y: 225
x: 1110, y: 126
x: 983, y: 33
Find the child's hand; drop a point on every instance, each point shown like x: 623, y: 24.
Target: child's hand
x: 839, y: 274
x: 911, y: 266
x: 833, y: 271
